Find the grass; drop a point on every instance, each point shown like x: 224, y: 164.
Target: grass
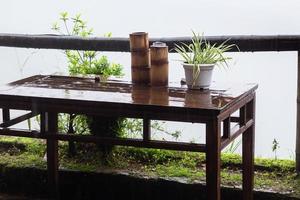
x: 270, y: 174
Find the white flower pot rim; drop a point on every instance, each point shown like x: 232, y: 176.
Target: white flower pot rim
x: 202, y: 79
x: 204, y: 65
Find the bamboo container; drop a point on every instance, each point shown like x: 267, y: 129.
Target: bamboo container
x: 159, y: 64
x: 140, y: 58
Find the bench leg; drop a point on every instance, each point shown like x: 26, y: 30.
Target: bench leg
x: 213, y: 160
x: 49, y: 124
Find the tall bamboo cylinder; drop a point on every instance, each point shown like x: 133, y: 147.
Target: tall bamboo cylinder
x: 140, y: 58
x: 159, y: 64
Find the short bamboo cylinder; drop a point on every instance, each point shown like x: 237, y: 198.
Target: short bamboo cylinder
x: 159, y: 64
x: 139, y: 41
x: 140, y: 58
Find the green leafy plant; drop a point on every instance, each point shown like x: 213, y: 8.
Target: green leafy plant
x: 201, y: 51
x: 232, y: 148
x: 133, y: 128
x: 275, y: 147
x: 84, y: 62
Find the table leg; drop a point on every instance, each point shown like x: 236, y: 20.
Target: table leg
x: 213, y: 160
x: 248, y: 155
x: 146, y: 129
x: 49, y: 124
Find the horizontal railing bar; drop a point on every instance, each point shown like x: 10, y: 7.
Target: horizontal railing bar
x: 180, y: 146
x: 17, y: 120
x: 235, y: 132
x: 244, y: 42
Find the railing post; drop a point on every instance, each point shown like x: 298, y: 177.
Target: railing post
x: 298, y: 118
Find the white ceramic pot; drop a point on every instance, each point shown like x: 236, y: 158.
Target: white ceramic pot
x: 203, y: 80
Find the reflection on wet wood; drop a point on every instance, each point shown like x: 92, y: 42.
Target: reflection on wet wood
x: 117, y: 91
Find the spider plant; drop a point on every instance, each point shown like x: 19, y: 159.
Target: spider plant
x: 200, y: 52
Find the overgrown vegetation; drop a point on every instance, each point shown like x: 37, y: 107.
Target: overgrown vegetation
x: 274, y: 175
x: 84, y: 62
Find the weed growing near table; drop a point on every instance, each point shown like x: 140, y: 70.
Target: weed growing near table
x: 275, y: 147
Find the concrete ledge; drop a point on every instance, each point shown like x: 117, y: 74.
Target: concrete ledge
x: 112, y: 186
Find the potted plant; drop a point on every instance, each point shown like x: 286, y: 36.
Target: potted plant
x: 199, y: 60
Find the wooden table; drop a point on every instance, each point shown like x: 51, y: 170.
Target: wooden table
x: 49, y: 95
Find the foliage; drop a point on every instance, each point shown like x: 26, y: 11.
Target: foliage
x: 174, y: 165
x: 84, y: 62
x: 159, y: 128
x: 79, y: 123
x: 133, y: 128
x: 201, y: 51
x: 149, y: 156
x: 233, y: 146
x: 278, y: 165
x: 275, y: 147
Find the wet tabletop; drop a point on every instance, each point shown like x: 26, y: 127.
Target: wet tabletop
x: 217, y: 97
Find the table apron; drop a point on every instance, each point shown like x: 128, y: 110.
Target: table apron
x: 126, y: 111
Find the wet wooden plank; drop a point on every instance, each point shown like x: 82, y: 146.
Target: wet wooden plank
x: 121, y: 92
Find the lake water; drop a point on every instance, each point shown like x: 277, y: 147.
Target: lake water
x: 275, y: 72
